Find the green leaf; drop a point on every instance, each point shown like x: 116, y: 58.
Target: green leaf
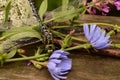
x: 43, y: 8
x: 9, y: 43
x: 38, y: 52
x: 3, y: 27
x: 1, y: 49
x: 116, y: 46
x: 16, y: 30
x: 112, y: 32
x: 2, y: 58
x: 64, y: 4
x: 11, y: 54
x: 82, y: 10
x: 25, y: 34
x: 66, y: 15
x: 7, y: 9
x: 117, y: 28
x: 66, y: 42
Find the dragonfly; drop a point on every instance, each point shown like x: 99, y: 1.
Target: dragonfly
x: 47, y: 36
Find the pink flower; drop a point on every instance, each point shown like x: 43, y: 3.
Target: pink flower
x: 117, y: 4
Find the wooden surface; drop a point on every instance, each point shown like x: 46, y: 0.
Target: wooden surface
x: 102, y: 19
x: 86, y: 66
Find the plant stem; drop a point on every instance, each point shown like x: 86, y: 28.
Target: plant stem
x: 25, y: 58
x: 78, y: 25
x: 105, y: 24
x: 63, y: 35
x: 115, y: 46
x: 66, y: 26
x: 79, y: 47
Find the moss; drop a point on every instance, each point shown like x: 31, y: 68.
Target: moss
x: 20, y: 12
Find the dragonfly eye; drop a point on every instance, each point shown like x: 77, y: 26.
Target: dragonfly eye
x: 43, y: 27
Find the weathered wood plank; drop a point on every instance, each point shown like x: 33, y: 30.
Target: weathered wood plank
x: 99, y: 19
x: 85, y: 66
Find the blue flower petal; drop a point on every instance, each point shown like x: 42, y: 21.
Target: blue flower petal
x: 96, y: 35
x: 63, y: 73
x: 59, y: 71
x: 51, y: 65
x: 59, y: 64
x: 57, y: 74
x: 56, y: 78
x: 59, y: 54
x: 86, y: 31
x: 100, y: 44
x: 106, y: 39
x: 59, y: 77
x: 55, y: 56
x: 57, y: 61
x: 92, y: 30
x: 105, y: 46
x: 101, y: 38
x: 65, y: 65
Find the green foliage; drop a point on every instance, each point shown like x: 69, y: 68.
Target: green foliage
x: 7, y: 9
x: 38, y: 53
x: 10, y: 41
x: 110, y: 33
x: 68, y: 14
x: 11, y: 54
x: 3, y: 27
x: 117, y: 28
x: 17, y: 33
x: 43, y: 8
x: 32, y: 33
x: 2, y: 57
x: 66, y: 42
x: 64, y: 4
x: 116, y: 46
x: 16, y: 30
x: 53, y: 4
x: 68, y: 11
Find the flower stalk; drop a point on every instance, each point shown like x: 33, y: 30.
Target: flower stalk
x: 25, y: 58
x: 115, y: 46
x: 63, y: 35
x: 86, y: 46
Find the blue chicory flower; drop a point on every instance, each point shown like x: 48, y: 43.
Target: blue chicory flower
x: 98, y: 39
x: 59, y: 65
x: 117, y: 4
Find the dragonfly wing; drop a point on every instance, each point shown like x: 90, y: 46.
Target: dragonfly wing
x: 3, y: 27
x: 67, y: 12
x: 8, y: 45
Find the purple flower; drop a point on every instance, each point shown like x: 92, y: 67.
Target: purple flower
x: 59, y: 64
x: 117, y: 4
x: 104, y: 8
x: 98, y: 39
x: 99, y: 6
